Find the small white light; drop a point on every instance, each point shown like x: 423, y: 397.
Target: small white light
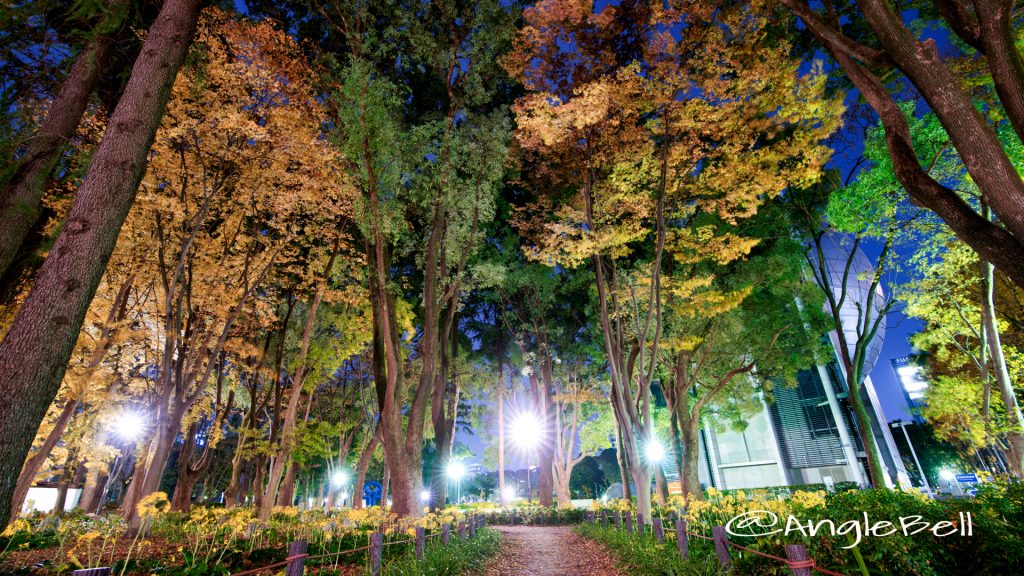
x: 425, y: 496
x: 510, y: 493
x: 339, y: 478
x: 947, y: 474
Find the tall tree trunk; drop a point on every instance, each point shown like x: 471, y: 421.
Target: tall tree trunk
x: 344, y: 447
x: 286, y: 495
x: 35, y: 463
x: 1015, y: 438
x: 94, y: 482
x: 661, y: 484
x: 501, y: 426
x: 689, y: 475
x: 20, y: 197
x: 35, y: 351
x: 361, y: 467
x: 290, y: 415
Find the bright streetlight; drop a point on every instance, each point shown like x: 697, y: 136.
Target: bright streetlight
x: 946, y: 474
x: 655, y: 451
x: 425, y: 496
x: 509, y: 493
x: 456, y: 471
x: 526, y: 430
x: 526, y: 433
x: 339, y: 479
x: 129, y: 426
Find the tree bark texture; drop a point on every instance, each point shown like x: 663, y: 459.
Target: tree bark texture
x: 35, y: 351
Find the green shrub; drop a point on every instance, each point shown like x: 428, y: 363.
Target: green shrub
x: 537, y: 516
x: 642, y: 555
x: 457, y: 558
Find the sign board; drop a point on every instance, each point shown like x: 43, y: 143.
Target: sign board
x: 967, y: 478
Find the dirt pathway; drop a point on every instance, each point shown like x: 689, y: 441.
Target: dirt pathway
x: 548, y: 551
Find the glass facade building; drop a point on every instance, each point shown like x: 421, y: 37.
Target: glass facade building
x: 807, y: 434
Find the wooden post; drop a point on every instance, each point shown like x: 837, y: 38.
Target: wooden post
x: 604, y: 518
x: 472, y: 526
x: 513, y: 516
x: 92, y: 572
x: 462, y: 530
x: 446, y: 531
x: 250, y: 529
x: 798, y: 554
x: 659, y: 531
x: 618, y: 519
x: 376, y: 552
x: 295, y: 567
x: 640, y: 524
x: 681, y: 542
x: 722, y: 546
x: 421, y: 540
x: 629, y: 522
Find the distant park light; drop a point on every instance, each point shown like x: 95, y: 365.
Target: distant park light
x: 509, y: 493
x: 425, y: 496
x: 947, y: 474
x: 339, y: 478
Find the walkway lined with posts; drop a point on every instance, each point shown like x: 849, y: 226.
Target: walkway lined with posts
x: 295, y: 562
x: 797, y: 558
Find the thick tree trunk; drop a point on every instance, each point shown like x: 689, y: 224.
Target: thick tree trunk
x: 35, y: 351
x: 94, y: 481
x: 234, y: 492
x: 562, y: 492
x: 146, y: 478
x: 689, y: 473
x: 286, y: 495
x: 19, y: 199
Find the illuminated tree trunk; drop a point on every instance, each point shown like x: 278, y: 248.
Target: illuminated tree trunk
x: 290, y: 416
x: 501, y: 422
x: 34, y: 353
x: 1015, y: 438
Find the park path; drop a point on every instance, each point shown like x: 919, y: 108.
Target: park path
x: 548, y: 551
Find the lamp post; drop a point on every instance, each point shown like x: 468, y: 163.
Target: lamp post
x: 903, y: 425
x: 526, y: 432
x: 456, y: 471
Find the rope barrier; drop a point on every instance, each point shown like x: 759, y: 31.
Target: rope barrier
x: 793, y: 564
x: 271, y: 566
x: 329, y: 554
